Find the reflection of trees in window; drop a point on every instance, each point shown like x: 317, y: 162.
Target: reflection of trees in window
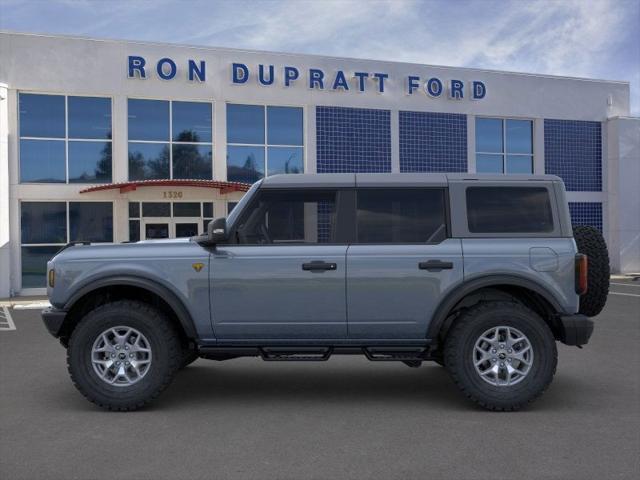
x: 288, y: 168
x: 150, y: 168
x: 188, y: 160
x: 188, y: 136
x: 247, y: 173
x: 103, y: 168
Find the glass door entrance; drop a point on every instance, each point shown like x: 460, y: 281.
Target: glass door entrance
x: 158, y: 228
x: 158, y: 220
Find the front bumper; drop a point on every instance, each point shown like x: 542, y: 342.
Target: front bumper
x: 54, y: 320
x: 575, y: 329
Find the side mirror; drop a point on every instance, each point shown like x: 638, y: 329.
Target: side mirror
x: 217, y: 231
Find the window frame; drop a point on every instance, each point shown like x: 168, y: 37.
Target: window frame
x: 170, y: 142
x: 266, y: 145
x: 504, y: 154
x: 447, y: 215
x: 66, y: 139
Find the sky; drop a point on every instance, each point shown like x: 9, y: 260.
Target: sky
x: 579, y: 38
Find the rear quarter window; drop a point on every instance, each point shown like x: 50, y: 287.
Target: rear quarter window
x: 509, y: 210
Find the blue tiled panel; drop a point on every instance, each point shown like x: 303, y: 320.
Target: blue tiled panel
x: 353, y: 140
x: 586, y: 213
x: 573, y: 151
x: 433, y: 142
x: 325, y: 211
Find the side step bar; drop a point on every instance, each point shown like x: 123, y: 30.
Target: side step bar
x: 415, y: 353
x: 395, y: 354
x: 296, y: 354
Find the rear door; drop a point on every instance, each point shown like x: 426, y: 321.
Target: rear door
x: 401, y: 262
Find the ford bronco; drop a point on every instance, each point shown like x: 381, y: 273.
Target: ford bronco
x: 481, y: 274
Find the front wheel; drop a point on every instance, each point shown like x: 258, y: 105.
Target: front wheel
x: 501, y: 355
x: 123, y: 354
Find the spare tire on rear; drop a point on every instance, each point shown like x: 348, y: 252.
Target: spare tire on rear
x: 591, y: 243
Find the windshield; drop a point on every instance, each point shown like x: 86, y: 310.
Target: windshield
x: 231, y: 218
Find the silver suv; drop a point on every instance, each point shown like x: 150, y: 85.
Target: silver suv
x: 480, y: 274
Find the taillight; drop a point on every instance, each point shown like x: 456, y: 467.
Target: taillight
x: 582, y: 266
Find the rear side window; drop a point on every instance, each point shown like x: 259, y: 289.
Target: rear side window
x: 401, y: 215
x: 509, y: 210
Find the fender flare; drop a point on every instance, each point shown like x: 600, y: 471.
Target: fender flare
x: 458, y: 293
x: 177, y: 305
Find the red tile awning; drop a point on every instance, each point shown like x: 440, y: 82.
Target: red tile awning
x: 224, y: 187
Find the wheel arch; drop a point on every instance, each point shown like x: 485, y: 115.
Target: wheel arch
x: 532, y: 294
x: 127, y: 286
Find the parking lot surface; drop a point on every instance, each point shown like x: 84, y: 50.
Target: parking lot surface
x: 345, y: 418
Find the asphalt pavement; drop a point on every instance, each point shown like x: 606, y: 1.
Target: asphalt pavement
x: 345, y: 418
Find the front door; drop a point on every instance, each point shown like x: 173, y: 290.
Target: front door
x: 284, y: 276
x: 401, y: 263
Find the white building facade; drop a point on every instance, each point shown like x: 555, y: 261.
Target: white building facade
x: 113, y: 141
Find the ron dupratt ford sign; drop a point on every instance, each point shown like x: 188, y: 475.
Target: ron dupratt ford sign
x: 314, y: 78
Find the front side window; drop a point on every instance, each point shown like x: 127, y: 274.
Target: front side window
x: 170, y: 140
x: 65, y: 139
x: 401, y: 216
x: 48, y: 226
x: 509, y: 210
x: 263, y: 141
x: 289, y: 217
x: 504, y: 145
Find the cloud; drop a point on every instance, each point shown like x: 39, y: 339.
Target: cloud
x: 588, y: 38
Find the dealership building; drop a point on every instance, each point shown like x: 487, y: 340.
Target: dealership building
x: 114, y: 141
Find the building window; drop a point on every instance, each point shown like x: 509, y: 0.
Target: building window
x: 47, y: 226
x: 263, y: 141
x: 149, y: 220
x: 170, y: 140
x: 65, y: 139
x: 504, y: 145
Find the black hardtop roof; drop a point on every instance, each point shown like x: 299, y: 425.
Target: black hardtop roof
x: 319, y: 180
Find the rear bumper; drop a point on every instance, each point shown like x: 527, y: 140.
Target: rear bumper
x: 54, y: 320
x: 575, y: 329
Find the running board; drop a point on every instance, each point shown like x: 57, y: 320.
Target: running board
x: 319, y: 353
x: 296, y: 354
x: 395, y: 354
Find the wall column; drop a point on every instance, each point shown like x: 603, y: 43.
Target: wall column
x: 5, y: 244
x: 623, y: 163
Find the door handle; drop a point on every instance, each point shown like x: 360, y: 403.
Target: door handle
x: 435, y: 265
x: 319, y: 266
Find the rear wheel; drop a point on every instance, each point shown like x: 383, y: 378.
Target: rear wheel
x: 590, y: 241
x: 501, y: 355
x: 123, y: 354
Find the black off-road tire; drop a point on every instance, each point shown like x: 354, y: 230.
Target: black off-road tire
x: 150, y: 322
x: 591, y: 242
x: 460, y: 344
x: 189, y: 355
